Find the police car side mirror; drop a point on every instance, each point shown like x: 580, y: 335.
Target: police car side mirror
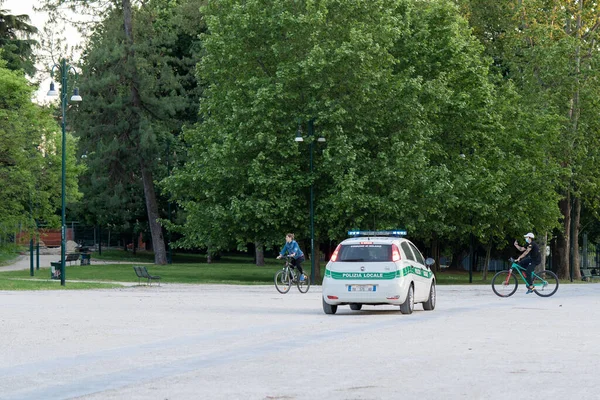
x: 429, y: 261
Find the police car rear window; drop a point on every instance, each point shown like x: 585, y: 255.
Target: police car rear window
x: 365, y: 252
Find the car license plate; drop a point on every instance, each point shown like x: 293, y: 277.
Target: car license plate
x: 362, y: 288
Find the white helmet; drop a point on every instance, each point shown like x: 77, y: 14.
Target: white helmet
x: 529, y: 235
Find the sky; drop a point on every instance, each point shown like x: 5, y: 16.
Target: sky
x: 39, y: 20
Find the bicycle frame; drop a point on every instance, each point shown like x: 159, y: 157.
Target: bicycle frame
x: 289, y: 269
x: 520, y: 270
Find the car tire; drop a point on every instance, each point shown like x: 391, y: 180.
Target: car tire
x: 409, y: 304
x: 355, y: 306
x: 328, y: 308
x: 430, y: 303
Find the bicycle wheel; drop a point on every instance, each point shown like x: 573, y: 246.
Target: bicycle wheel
x: 282, y: 282
x: 504, y: 286
x: 545, y: 282
x: 304, y: 285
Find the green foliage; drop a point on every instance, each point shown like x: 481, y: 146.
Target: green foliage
x: 30, y: 157
x: 547, y: 51
x: 114, y: 148
x: 418, y: 136
x: 16, y: 43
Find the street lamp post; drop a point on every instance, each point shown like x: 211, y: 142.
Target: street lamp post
x: 311, y: 131
x: 64, y: 69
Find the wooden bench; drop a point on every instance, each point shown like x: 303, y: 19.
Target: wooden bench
x: 142, y: 272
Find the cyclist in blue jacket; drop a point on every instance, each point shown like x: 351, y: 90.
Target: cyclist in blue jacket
x: 291, y: 248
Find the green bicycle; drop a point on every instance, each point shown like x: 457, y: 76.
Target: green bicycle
x: 505, y: 283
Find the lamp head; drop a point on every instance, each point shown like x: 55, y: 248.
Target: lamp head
x: 299, y: 134
x: 76, y: 96
x: 52, y: 92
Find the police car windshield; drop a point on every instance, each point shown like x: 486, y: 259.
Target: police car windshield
x: 365, y: 252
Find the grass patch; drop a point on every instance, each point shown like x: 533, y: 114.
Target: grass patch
x: 113, y: 254
x: 38, y: 284
x: 224, y: 272
x: 122, y: 255
x: 8, y: 258
x: 452, y: 277
x: 187, y: 268
x: 8, y: 255
x: 176, y: 273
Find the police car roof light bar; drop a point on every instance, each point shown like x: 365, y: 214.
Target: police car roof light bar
x: 397, y: 232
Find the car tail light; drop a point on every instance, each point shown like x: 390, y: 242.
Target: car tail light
x: 335, y: 253
x: 332, y: 297
x: 396, y: 297
x: 395, y: 253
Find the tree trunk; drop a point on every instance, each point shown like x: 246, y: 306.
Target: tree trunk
x: 562, y: 241
x: 158, y: 240
x: 543, y: 244
x: 457, y: 258
x: 317, y: 263
x: 435, y: 252
x: 575, y: 220
x: 134, y: 243
x: 486, y: 264
x: 259, y: 251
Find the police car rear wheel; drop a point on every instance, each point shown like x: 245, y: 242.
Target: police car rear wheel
x: 430, y: 303
x: 355, y: 306
x: 328, y: 308
x: 409, y: 304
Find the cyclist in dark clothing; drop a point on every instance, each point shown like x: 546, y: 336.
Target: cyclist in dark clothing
x: 530, y: 259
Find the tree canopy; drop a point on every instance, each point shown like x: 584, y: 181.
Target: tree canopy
x: 30, y: 157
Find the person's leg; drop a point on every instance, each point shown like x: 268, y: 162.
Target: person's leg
x: 530, y: 269
x: 299, y: 262
x: 293, y: 262
x: 526, y: 264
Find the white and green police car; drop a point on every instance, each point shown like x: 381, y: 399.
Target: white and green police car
x: 374, y: 268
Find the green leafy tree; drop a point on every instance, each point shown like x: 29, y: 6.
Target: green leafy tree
x: 30, y: 157
x: 548, y: 49
x: 140, y: 90
x: 16, y: 43
x: 399, y: 90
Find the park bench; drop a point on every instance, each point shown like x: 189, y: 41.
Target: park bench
x: 70, y: 257
x: 586, y: 275
x: 142, y: 272
x: 589, y: 275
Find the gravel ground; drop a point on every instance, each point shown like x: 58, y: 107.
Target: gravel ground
x: 250, y: 342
